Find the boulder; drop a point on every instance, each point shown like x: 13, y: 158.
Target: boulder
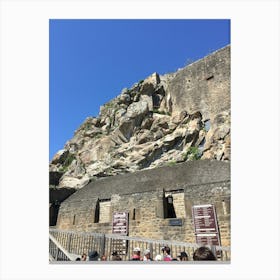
x: 153, y: 79
x: 126, y: 129
x: 145, y: 136
x: 101, y: 150
x: 160, y: 121
x: 148, y: 99
x: 124, y: 98
x: 72, y: 182
x: 147, y: 123
x: 137, y: 111
x: 178, y: 117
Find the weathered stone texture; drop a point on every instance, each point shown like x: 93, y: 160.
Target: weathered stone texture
x: 203, y: 86
x: 160, y: 120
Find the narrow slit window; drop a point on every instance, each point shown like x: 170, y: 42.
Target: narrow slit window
x: 97, y: 211
x: 133, y: 215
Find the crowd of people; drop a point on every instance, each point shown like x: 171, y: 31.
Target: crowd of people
x: 200, y: 254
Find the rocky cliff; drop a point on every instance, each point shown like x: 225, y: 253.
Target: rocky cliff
x: 161, y: 120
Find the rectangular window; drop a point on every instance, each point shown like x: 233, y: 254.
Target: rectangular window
x: 134, y: 214
x: 104, y: 210
x: 175, y: 204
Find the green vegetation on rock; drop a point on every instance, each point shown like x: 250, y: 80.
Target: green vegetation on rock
x: 193, y: 153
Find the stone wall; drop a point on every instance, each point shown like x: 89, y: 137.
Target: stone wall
x: 56, y: 196
x: 147, y: 216
x: 203, y: 86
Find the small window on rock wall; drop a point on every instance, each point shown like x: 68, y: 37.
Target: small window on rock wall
x: 209, y: 77
x: 169, y: 210
x: 174, y: 204
x: 74, y: 219
x: 97, y: 211
x: 53, y: 213
x: 102, y: 211
x: 134, y: 213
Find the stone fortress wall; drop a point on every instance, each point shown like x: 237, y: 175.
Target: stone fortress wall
x: 203, y: 86
x: 143, y: 195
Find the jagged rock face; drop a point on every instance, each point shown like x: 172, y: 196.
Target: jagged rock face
x: 159, y: 121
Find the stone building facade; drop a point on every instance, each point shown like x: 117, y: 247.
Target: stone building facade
x: 153, y: 198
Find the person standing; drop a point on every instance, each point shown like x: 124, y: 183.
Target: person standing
x: 116, y: 256
x: 166, y: 254
x: 84, y: 257
x: 147, y: 255
x: 136, y: 254
x: 203, y: 254
x: 183, y: 257
x: 93, y: 256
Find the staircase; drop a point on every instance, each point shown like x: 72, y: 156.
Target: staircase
x: 57, y: 252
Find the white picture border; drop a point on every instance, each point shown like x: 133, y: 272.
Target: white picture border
x: 24, y: 136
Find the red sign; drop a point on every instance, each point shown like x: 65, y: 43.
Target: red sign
x: 205, y: 224
x: 204, y: 217
x: 120, y: 223
x: 208, y: 239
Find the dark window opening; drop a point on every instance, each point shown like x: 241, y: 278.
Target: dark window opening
x: 169, y: 210
x: 210, y: 77
x: 74, y: 219
x: 176, y: 191
x: 53, y: 213
x: 133, y: 215
x: 104, y: 199
x: 97, y: 212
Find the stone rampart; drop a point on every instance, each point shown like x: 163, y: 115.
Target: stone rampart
x: 203, y: 86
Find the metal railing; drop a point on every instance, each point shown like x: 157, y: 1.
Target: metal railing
x: 57, y: 252
x: 77, y: 243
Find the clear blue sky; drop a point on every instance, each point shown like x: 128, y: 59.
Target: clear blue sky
x: 91, y: 61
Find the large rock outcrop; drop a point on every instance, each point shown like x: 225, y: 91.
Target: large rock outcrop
x: 159, y: 121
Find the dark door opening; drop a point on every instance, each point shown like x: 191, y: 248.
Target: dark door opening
x: 53, y: 213
x: 169, y: 210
